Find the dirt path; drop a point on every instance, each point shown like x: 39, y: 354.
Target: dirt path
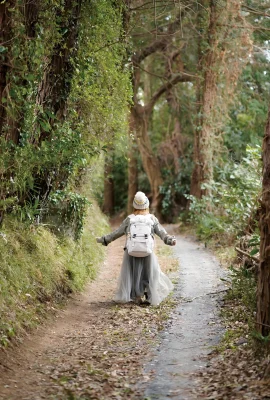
x: 194, y: 329
x: 95, y: 349
x: 52, y: 353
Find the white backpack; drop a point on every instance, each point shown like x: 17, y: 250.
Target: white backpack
x: 140, y: 241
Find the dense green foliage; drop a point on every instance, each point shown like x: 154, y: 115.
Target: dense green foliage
x: 65, y: 92
x: 66, y: 87
x: 240, y: 108
x: 232, y: 207
x: 38, y: 269
x: 60, y: 132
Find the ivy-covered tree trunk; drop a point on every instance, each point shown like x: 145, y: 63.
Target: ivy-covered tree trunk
x: 263, y: 286
x: 5, y: 59
x: 55, y: 86
x: 29, y: 14
x: 5, y: 36
x: 149, y: 159
x: 11, y: 113
x: 132, y: 163
x: 206, y: 97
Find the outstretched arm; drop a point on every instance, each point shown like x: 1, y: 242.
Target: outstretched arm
x: 162, y: 233
x: 106, y: 239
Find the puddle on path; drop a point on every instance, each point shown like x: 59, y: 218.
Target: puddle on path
x: 194, y: 327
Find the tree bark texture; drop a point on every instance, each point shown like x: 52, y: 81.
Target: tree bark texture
x: 12, y: 110
x: 30, y: 12
x: 5, y: 62
x: 132, y: 163
x: 203, y: 140
x: 263, y: 285
x: 55, y: 87
x: 149, y: 160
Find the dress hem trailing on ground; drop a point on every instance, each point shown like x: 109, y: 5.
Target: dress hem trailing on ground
x: 139, y: 275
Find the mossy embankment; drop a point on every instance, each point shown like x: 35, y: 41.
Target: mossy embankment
x: 39, y: 269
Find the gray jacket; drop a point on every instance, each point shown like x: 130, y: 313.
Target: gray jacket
x: 124, y: 229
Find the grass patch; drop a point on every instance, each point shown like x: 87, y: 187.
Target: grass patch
x: 39, y: 269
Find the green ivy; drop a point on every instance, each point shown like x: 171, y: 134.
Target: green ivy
x: 34, y: 170
x: 72, y: 210
x: 234, y: 198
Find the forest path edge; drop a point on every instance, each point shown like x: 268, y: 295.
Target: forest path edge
x: 93, y: 348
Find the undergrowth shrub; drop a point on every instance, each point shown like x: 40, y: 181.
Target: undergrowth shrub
x: 233, y: 202
x: 239, y: 307
x: 243, y: 289
x: 39, y: 268
x: 67, y: 212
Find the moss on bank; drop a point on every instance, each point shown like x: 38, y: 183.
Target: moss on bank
x: 39, y: 269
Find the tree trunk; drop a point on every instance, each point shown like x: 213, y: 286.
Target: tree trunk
x: 203, y: 140
x: 55, y: 87
x: 149, y: 160
x: 263, y: 286
x: 108, y: 203
x: 5, y: 66
x: 132, y: 164
x: 10, y: 121
x: 30, y: 12
x: 175, y: 140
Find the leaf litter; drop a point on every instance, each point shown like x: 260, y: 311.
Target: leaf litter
x: 95, y: 350
x: 239, y: 368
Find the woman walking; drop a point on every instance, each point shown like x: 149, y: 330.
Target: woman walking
x: 140, y: 273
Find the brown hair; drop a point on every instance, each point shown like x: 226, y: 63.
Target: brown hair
x: 140, y: 212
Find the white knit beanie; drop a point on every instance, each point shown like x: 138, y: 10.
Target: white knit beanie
x: 140, y: 201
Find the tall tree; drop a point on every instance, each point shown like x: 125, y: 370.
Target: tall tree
x: 206, y: 97
x: 6, y: 35
x: 13, y: 69
x: 55, y: 86
x: 150, y: 161
x: 263, y: 288
x: 163, y: 42
x: 222, y: 52
x: 54, y: 90
x: 132, y: 164
x: 63, y: 90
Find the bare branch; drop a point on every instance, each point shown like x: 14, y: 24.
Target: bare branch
x: 142, y: 6
x: 183, y: 77
x: 159, y: 44
x: 257, y: 11
x: 151, y: 73
x: 152, y: 48
x: 257, y: 28
x: 247, y: 254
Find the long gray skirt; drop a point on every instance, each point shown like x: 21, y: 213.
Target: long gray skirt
x: 139, y: 275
